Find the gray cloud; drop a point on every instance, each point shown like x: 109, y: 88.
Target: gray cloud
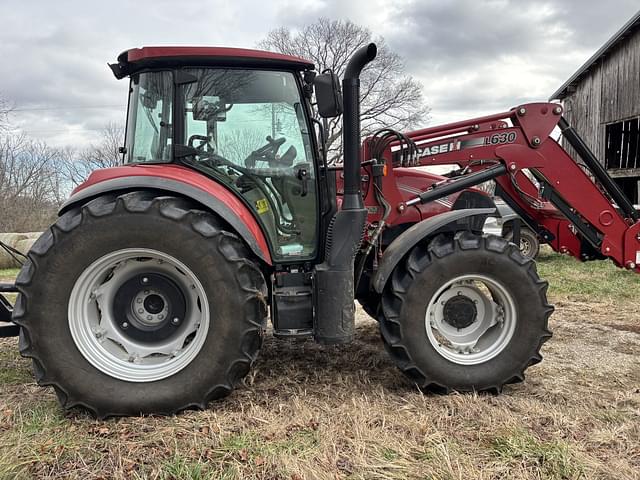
x: 473, y: 57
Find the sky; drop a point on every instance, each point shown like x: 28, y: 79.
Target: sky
x: 473, y: 57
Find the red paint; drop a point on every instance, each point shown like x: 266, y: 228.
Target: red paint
x: 399, y: 185
x: 538, y: 120
x: 145, y: 53
x: 193, y: 179
x: 620, y: 236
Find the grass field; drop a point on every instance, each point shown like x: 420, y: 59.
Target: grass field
x: 309, y: 412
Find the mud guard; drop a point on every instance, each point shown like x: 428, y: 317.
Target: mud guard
x: 203, y: 191
x: 407, y: 239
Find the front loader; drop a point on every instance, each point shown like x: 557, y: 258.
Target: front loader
x: 151, y: 292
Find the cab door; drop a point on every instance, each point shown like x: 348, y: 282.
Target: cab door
x: 249, y: 131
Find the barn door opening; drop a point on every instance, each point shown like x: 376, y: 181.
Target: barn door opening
x: 622, y: 155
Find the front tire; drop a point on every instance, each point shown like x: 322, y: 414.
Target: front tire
x: 465, y: 313
x: 138, y: 304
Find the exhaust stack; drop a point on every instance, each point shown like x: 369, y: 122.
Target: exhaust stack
x: 351, y: 125
x: 334, y: 319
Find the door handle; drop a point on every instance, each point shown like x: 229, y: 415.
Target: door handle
x: 303, y: 176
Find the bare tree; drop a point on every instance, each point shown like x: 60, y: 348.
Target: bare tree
x: 31, y: 187
x: 389, y: 97
x: 5, y: 109
x: 238, y: 144
x: 103, y: 154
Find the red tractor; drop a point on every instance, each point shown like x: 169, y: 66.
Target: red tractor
x: 150, y: 293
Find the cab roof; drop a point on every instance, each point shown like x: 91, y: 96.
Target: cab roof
x: 136, y: 59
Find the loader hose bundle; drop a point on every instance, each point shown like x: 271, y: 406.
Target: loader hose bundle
x: 408, y: 153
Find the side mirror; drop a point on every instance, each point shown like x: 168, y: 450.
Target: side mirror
x: 328, y: 94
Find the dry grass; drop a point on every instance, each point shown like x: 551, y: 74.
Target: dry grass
x: 309, y: 412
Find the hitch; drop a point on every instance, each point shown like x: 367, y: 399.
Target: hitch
x: 7, y: 327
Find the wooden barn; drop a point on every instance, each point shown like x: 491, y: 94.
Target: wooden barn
x: 602, y: 101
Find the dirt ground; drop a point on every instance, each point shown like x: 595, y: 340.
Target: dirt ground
x: 308, y: 412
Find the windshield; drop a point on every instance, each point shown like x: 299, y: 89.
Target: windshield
x: 247, y: 129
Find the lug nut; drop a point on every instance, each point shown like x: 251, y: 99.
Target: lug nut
x: 145, y: 280
x: 140, y: 310
x: 175, y: 320
x: 125, y: 325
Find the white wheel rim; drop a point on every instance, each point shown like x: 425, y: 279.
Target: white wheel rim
x: 100, y: 336
x: 489, y: 333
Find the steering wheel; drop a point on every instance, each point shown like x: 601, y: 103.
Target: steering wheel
x: 266, y: 153
x: 205, y: 141
x: 206, y: 151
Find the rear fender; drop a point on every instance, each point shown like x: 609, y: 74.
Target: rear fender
x: 421, y: 230
x: 174, y: 179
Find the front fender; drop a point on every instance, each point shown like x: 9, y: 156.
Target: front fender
x: 174, y: 179
x: 410, y: 237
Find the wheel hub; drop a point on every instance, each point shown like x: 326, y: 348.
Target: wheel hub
x: 154, y: 304
x: 150, y: 307
x: 460, y: 311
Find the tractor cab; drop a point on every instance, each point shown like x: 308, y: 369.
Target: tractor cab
x: 240, y: 117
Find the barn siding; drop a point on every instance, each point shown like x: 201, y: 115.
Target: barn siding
x: 621, y: 89
x: 609, y: 92
x: 582, y: 110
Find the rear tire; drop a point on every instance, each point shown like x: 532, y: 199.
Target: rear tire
x: 220, y: 290
x: 529, y: 243
x: 506, y: 345
x: 370, y: 304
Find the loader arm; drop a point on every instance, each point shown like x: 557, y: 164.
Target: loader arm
x: 576, y: 208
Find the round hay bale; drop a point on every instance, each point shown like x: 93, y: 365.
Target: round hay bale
x: 12, y: 238
x: 6, y: 261
x: 21, y: 242
x: 25, y: 245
